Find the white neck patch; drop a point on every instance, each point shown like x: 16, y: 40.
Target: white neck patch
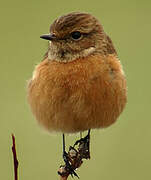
x: 54, y: 56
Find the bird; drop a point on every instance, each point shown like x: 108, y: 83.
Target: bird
x: 80, y: 84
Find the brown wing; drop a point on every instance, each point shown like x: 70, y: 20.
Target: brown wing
x: 110, y: 46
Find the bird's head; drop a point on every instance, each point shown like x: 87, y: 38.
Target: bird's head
x: 76, y: 35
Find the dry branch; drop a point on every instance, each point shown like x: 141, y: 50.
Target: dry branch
x: 75, y: 158
x: 15, y: 158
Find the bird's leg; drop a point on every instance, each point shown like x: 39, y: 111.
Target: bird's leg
x: 84, y: 146
x: 65, y: 155
x: 66, y: 159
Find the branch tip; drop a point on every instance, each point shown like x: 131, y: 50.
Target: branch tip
x: 15, y: 158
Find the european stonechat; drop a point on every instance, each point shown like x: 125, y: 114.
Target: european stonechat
x: 80, y: 84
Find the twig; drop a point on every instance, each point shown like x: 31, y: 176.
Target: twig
x: 15, y: 158
x: 75, y: 158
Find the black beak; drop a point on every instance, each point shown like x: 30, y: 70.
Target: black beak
x: 49, y: 37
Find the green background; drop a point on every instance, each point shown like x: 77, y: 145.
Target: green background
x: 121, y: 152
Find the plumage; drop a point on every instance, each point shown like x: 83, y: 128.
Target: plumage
x: 78, y: 95
x: 80, y: 84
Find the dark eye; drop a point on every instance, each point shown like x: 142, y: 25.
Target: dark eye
x: 76, y: 35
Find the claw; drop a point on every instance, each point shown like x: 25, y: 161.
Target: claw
x: 68, y: 165
x: 84, y: 146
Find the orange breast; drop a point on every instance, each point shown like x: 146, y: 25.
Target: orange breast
x: 79, y: 95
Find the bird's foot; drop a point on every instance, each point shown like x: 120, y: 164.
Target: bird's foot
x: 84, y: 146
x: 68, y: 168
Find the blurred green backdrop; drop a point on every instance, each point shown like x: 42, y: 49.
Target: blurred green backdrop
x: 122, y: 151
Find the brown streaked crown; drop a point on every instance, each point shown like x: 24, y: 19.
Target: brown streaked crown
x: 93, y: 38
x: 83, y: 22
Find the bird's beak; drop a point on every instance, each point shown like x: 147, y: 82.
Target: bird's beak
x: 49, y: 37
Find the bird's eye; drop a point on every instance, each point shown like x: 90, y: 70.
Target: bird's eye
x: 76, y: 35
